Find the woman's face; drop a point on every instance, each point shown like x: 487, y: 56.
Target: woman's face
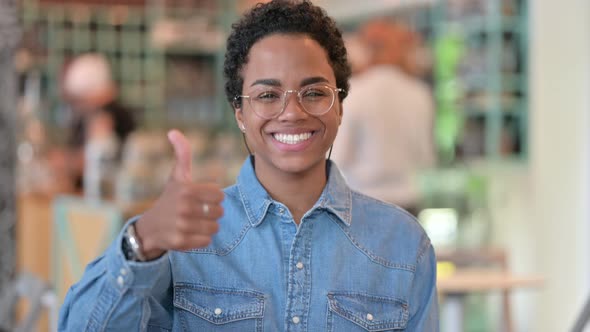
x: 294, y: 142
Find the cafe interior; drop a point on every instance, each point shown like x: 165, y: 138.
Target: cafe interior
x: 505, y: 202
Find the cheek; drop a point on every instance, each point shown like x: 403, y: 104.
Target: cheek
x: 254, y: 125
x: 334, y: 120
x: 332, y: 126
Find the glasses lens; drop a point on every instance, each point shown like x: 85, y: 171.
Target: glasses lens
x: 317, y: 99
x: 267, y: 102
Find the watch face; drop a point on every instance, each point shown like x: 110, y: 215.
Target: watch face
x: 127, y: 248
x: 131, y: 246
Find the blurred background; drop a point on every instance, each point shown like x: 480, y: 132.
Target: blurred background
x: 90, y: 87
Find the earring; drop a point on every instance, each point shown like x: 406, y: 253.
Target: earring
x: 243, y: 127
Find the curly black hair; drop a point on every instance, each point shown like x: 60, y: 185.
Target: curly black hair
x: 287, y: 17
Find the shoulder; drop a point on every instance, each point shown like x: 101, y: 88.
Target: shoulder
x: 386, y: 230
x: 384, y: 214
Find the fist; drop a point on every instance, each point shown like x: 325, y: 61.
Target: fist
x: 186, y: 213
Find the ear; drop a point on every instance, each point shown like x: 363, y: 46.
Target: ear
x: 239, y: 118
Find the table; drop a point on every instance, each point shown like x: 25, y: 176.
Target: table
x: 466, y: 281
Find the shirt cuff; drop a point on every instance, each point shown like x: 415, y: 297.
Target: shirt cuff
x: 137, y: 276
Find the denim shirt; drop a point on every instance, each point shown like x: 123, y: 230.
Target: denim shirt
x: 353, y: 264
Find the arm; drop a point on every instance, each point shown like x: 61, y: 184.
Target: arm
x: 115, y: 294
x: 423, y: 299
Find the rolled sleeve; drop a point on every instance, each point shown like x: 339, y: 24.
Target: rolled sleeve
x: 141, y: 277
x: 116, y: 293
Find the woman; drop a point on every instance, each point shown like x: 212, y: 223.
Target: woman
x: 289, y: 246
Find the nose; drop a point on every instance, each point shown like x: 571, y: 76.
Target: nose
x: 293, y: 110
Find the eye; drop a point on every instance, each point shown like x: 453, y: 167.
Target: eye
x: 268, y: 96
x: 314, y: 93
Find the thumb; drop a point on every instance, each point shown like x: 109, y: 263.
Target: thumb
x: 183, y: 169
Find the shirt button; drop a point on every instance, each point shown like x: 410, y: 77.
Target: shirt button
x: 369, y: 317
x: 218, y: 311
x: 281, y: 210
x: 120, y: 281
x: 123, y: 271
x: 296, y: 320
x: 299, y: 265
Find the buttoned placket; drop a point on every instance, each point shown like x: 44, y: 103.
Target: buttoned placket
x: 299, y: 279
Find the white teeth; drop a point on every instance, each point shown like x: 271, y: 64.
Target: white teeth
x: 292, y: 139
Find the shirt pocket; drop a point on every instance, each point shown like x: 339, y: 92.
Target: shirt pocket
x: 350, y: 311
x: 201, y: 308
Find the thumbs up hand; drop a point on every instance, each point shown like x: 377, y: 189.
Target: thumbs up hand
x: 185, y: 215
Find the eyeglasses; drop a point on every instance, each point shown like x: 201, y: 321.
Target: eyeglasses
x: 270, y: 102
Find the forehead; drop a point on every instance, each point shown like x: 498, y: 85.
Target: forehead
x: 287, y: 58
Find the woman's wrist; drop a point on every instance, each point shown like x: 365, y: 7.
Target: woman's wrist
x: 148, y: 246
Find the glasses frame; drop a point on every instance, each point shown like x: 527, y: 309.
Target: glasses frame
x: 285, y: 93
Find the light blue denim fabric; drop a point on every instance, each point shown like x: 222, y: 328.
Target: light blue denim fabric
x: 353, y: 264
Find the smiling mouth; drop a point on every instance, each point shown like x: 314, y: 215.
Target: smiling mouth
x: 292, y: 138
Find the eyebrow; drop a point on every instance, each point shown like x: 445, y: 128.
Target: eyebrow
x: 277, y: 83
x: 267, y: 81
x: 313, y: 80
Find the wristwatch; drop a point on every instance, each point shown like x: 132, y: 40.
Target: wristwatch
x: 131, y: 246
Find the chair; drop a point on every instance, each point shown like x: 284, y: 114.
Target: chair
x: 37, y: 293
x: 82, y: 230
x: 482, y: 257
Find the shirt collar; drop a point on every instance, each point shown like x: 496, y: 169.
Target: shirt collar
x: 335, y: 198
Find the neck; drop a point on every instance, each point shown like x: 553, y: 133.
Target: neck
x: 298, y: 191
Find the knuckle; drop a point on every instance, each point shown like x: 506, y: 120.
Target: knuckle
x: 184, y: 210
x: 213, y: 213
x: 219, y: 197
x: 209, y: 228
x: 219, y: 212
x: 182, y: 225
x: 214, y: 194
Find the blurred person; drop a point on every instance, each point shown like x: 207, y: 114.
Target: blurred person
x: 358, y: 54
x: 91, y: 94
x: 289, y: 246
x: 387, y: 134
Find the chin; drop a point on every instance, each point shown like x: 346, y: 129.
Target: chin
x: 298, y: 164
